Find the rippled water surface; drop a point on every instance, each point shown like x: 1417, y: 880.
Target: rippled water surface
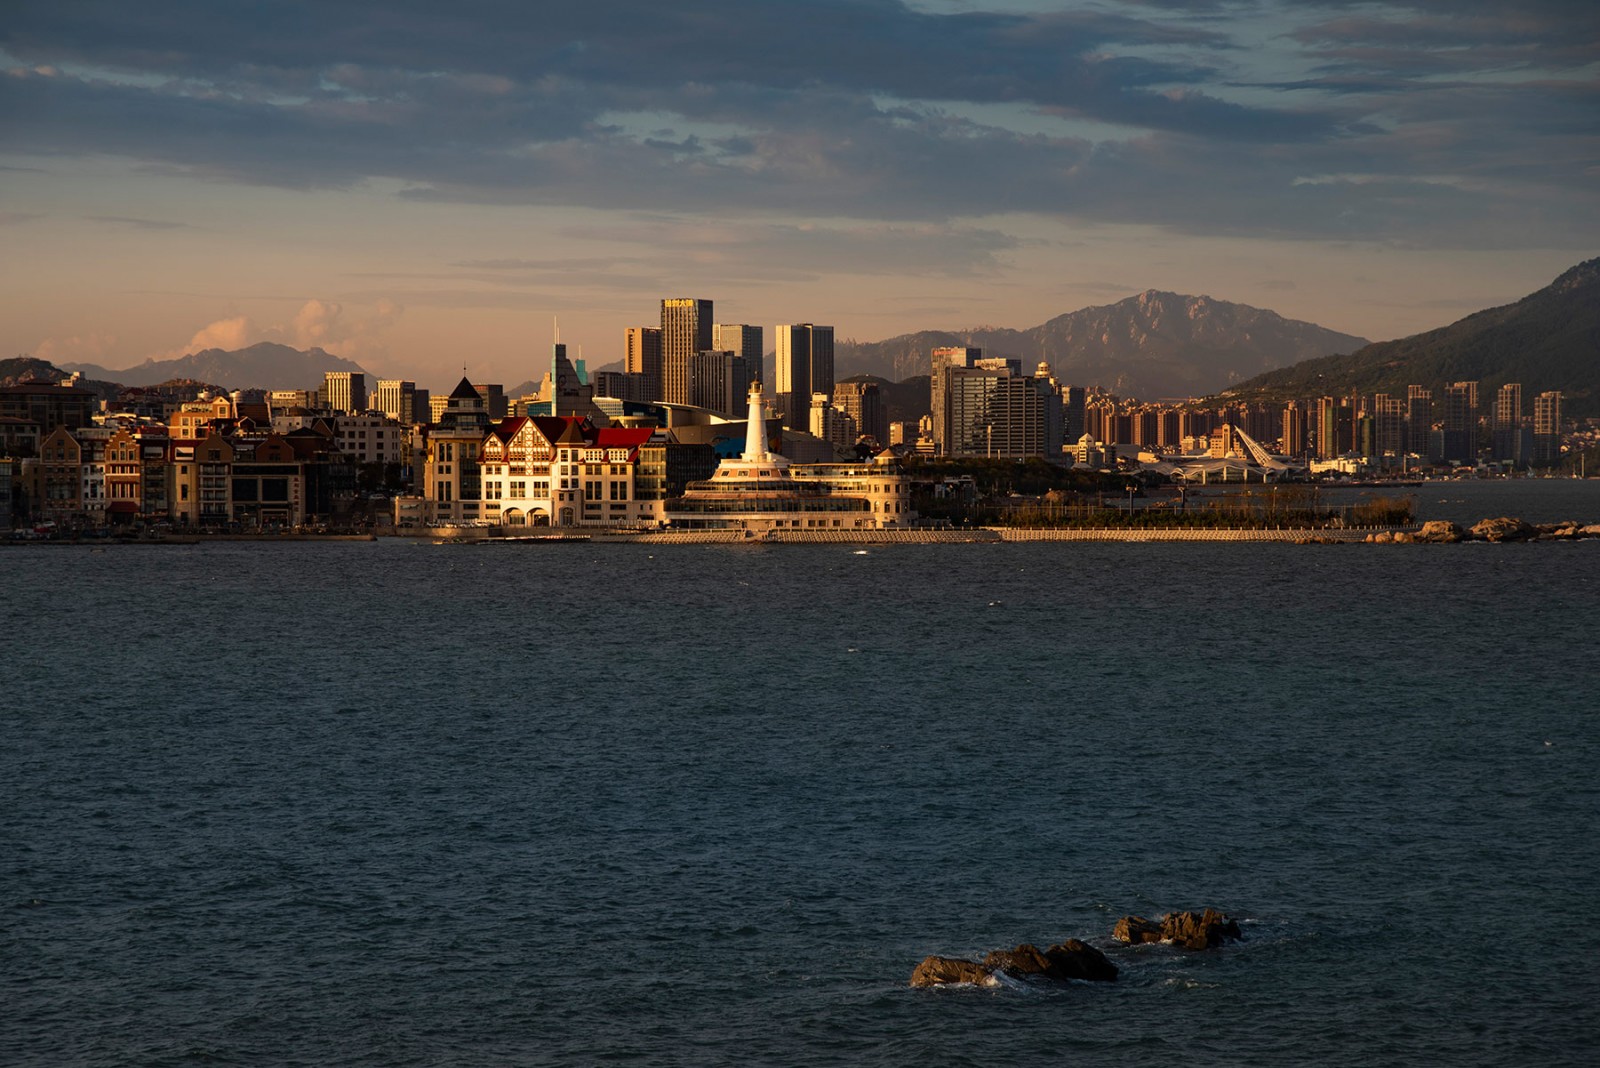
x: 406, y: 804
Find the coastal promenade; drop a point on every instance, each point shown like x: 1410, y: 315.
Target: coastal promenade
x: 1281, y: 534
x: 968, y: 535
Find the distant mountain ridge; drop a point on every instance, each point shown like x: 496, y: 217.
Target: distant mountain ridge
x: 1548, y: 340
x: 265, y: 365
x: 1149, y: 345
x: 19, y: 369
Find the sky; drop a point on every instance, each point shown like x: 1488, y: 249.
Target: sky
x: 426, y: 187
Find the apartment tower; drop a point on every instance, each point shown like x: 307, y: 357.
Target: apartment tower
x: 802, y: 366
x: 685, y: 330
x: 642, y: 356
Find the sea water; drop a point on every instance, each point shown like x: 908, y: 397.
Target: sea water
x: 414, y: 804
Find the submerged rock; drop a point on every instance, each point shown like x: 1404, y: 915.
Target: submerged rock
x: 940, y: 971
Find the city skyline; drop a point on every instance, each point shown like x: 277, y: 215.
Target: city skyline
x: 432, y: 192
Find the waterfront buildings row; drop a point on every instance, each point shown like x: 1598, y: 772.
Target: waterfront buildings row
x: 220, y: 462
x: 209, y: 467
x: 577, y: 464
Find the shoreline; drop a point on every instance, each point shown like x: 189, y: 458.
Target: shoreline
x: 1414, y: 533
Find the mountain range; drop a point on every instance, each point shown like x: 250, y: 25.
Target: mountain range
x: 266, y: 365
x: 1151, y: 345
x: 1154, y: 344
x: 1548, y: 340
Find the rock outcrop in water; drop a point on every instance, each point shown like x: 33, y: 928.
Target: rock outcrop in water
x: 1502, y: 529
x: 1064, y: 961
x: 1568, y: 531
x: 1077, y: 960
x: 1206, y: 930
x: 1071, y: 959
x: 1440, y: 532
x: 1499, y: 529
x: 940, y: 971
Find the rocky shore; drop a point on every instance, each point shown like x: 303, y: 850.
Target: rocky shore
x: 1503, y: 528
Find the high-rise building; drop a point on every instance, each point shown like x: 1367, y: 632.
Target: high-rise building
x: 1547, y: 426
x: 995, y: 412
x: 1419, y: 420
x: 1506, y: 438
x: 643, y: 357
x: 742, y: 340
x: 1073, y: 400
x: 685, y: 330
x: 831, y: 423
x: 494, y: 399
x: 623, y: 385
x: 1460, y: 421
x: 861, y: 400
x: 1388, y: 427
x: 802, y: 365
x: 718, y: 381
x: 1144, y: 425
x: 1168, y: 429
x: 1292, y: 441
x: 942, y: 359
x: 347, y: 390
x: 397, y: 399
x: 1327, y: 427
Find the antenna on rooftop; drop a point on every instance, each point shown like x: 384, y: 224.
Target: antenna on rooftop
x: 556, y: 322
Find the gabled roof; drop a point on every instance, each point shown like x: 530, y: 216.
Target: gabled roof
x: 564, y: 429
x: 507, y: 428
x: 630, y: 438
x: 464, y: 390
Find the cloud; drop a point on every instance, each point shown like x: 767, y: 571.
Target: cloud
x: 1195, y: 115
x: 84, y: 348
x: 323, y: 324
x: 236, y: 332
x: 315, y: 324
x: 138, y: 224
x: 17, y: 218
